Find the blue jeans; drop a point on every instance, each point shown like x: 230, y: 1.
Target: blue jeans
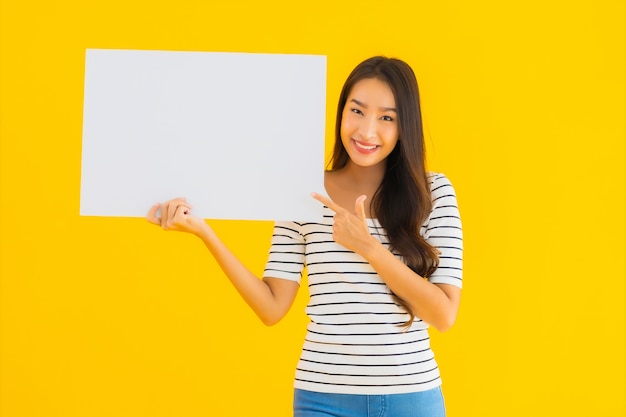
x: 416, y: 404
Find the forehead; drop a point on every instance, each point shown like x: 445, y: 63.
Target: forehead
x: 372, y: 91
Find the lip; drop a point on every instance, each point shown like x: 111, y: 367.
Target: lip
x: 364, y: 148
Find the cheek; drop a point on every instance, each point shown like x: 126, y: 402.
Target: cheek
x: 391, y: 133
x: 347, y: 127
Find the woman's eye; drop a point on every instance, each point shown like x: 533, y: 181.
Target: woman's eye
x: 357, y: 111
x: 387, y: 118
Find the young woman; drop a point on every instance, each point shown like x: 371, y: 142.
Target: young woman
x: 383, y: 263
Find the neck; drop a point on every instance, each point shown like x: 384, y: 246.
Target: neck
x: 365, y: 177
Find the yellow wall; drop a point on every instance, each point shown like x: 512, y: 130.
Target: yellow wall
x: 524, y: 108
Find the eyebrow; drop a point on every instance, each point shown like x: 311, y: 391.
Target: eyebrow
x: 365, y: 106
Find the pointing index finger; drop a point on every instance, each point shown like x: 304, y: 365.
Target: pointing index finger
x: 327, y: 202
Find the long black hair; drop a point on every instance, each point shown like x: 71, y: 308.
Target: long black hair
x: 403, y: 200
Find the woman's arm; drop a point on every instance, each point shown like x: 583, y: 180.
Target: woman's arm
x: 269, y: 298
x: 436, y: 304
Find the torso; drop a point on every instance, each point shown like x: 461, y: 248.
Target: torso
x: 356, y: 323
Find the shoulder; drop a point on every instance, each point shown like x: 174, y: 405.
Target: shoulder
x: 287, y: 229
x: 443, y: 196
x: 440, y: 185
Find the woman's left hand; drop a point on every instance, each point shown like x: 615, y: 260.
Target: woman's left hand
x: 349, y: 229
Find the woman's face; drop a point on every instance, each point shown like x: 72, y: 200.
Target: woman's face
x: 369, y: 126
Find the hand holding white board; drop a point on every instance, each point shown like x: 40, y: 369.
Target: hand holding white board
x: 241, y: 136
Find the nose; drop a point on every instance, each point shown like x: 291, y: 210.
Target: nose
x: 368, y: 127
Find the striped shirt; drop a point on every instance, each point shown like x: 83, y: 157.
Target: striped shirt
x: 355, y: 342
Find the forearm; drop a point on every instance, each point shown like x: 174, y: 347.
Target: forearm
x: 255, y: 292
x: 426, y: 300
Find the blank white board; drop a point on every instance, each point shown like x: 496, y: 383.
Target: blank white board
x: 240, y: 135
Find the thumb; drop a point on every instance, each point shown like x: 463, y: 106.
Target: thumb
x: 359, y: 208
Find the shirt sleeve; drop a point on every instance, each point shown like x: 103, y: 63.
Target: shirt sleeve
x: 287, y: 253
x: 443, y: 231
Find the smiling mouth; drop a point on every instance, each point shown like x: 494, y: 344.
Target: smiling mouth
x: 362, y: 147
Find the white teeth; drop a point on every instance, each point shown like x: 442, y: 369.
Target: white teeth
x: 367, y: 148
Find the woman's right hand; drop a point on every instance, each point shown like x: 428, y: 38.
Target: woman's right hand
x: 176, y: 216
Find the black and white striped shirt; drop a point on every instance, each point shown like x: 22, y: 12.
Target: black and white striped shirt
x: 355, y: 343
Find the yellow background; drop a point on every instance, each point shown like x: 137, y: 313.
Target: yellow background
x: 524, y: 111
